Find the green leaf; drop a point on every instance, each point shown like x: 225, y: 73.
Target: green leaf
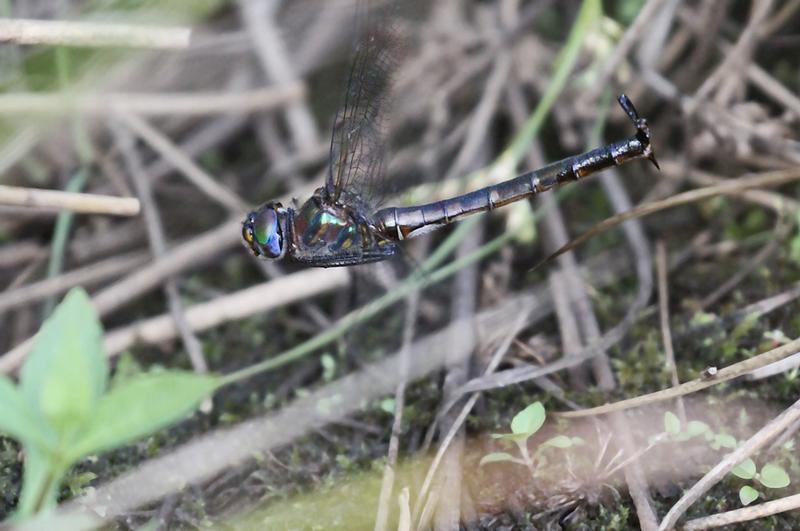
x: 672, y: 424
x: 496, y: 457
x: 516, y: 437
x: 703, y: 318
x: 696, y: 427
x: 724, y: 440
x: 559, y: 441
x: 387, y: 405
x: 745, y: 470
x: 18, y: 420
x: 529, y: 420
x: 328, y: 363
x: 747, y: 495
x: 773, y: 477
x: 66, y: 373
x: 40, y: 482
x: 578, y: 441
x: 139, y: 407
x: 747, y: 324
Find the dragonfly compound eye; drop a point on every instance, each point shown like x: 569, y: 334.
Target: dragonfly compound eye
x: 265, y: 232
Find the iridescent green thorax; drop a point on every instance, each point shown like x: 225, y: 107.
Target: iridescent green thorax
x: 331, y: 233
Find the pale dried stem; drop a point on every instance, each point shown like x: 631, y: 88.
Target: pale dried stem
x: 239, y: 305
x: 634, y: 32
x: 158, y: 246
x: 166, y: 104
x: 92, y: 34
x: 81, y: 203
x: 86, y: 276
x: 723, y: 375
x: 188, y: 168
x: 775, y: 201
x: 736, y: 56
x: 745, y: 514
x: 663, y: 313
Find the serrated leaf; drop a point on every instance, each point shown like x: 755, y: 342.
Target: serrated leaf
x: 529, y: 420
x: 773, y: 477
x: 747, y: 495
x: 724, y: 440
x: 66, y: 372
x: 496, y: 457
x: 559, y: 441
x: 745, y: 470
x: 672, y: 424
x: 696, y: 427
x: 19, y: 420
x: 140, y: 406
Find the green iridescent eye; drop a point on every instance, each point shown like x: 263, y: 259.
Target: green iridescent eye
x: 267, y: 232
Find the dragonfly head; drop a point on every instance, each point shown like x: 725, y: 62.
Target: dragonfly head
x: 264, y: 231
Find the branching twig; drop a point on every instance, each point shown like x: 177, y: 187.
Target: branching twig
x: 158, y: 246
x: 200, y: 178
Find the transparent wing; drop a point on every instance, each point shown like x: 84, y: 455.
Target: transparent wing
x: 358, y: 143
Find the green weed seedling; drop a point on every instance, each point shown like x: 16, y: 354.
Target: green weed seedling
x: 771, y: 476
x: 523, y: 426
x: 63, y: 409
x: 794, y: 243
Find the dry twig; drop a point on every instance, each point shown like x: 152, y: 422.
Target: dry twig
x: 164, y: 104
x: 94, y: 34
x: 745, y: 514
x: 75, y: 202
x: 723, y: 375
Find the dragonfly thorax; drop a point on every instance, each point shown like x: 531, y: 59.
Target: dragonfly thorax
x: 325, y: 233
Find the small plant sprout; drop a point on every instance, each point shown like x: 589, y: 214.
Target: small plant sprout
x: 523, y: 426
x: 748, y: 495
x: 673, y: 430
x: 771, y: 476
x: 62, y: 410
x: 794, y: 243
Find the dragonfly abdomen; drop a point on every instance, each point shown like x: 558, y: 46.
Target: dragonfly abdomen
x: 401, y: 223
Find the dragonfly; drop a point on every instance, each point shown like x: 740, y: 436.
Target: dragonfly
x: 339, y: 225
